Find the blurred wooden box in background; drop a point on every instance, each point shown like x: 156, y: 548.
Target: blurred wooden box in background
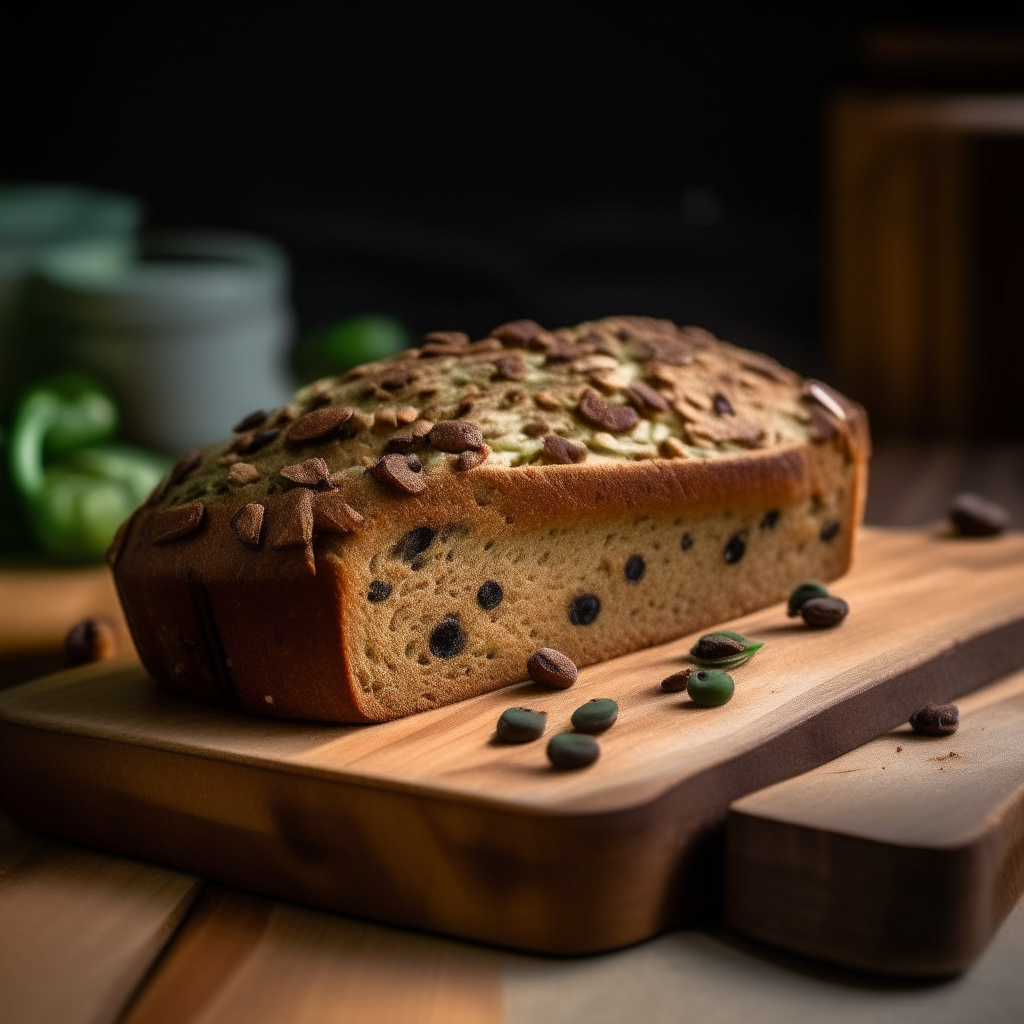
x: 926, y: 199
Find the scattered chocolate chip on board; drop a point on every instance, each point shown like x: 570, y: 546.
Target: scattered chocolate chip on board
x: 521, y: 725
x: 90, y: 640
x: 974, y: 516
x: 588, y: 490
x: 821, y: 612
x: 551, y: 668
x: 936, y: 720
x: 573, y: 750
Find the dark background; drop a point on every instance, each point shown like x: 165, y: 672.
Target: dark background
x: 456, y: 165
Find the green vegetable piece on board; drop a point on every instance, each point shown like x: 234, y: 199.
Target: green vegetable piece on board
x: 75, y: 489
x: 710, y: 687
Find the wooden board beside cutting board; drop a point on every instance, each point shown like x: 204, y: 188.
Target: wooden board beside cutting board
x: 430, y: 822
x: 902, y: 856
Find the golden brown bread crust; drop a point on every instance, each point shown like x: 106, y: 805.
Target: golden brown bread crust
x: 284, y: 627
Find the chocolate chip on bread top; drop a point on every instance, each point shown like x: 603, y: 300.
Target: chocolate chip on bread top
x: 408, y: 534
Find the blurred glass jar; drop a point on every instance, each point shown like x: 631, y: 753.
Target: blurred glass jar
x: 190, y: 336
x: 36, y: 218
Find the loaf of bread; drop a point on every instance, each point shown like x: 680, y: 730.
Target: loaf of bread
x: 407, y: 535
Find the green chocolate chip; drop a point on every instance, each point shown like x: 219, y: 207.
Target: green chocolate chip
x: 802, y: 593
x: 520, y: 725
x: 596, y: 715
x: 710, y: 687
x: 573, y: 750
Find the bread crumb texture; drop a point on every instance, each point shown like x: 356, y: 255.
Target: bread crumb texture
x: 465, y: 503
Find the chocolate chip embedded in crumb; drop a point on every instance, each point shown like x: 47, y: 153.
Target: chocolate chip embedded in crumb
x: 770, y: 519
x: 536, y: 428
x: 320, y: 394
x: 490, y: 595
x: 512, y: 368
x: 829, y: 530
x: 635, y: 568
x: 974, y: 516
x: 822, y: 612
x: 397, y: 377
x: 455, y: 436
x: 584, y: 609
x: 645, y: 398
x: 318, y: 425
x: 562, y: 451
x: 186, y: 464
x: 332, y: 514
x: 686, y: 542
x: 242, y: 473
x: 403, y: 472
x: 615, y: 419
x: 291, y: 520
x: 722, y: 405
x: 89, y: 640
x: 936, y: 720
x: 379, y: 591
x: 518, y: 333
x: 311, y: 473
x: 552, y: 668
x: 473, y: 458
x: 401, y: 443
x: 735, y: 548
x: 421, y: 428
x: 250, y: 422
x: 447, y: 639
x: 247, y: 523
x: 174, y: 523
x: 286, y: 414
x: 823, y: 424
x: 677, y: 681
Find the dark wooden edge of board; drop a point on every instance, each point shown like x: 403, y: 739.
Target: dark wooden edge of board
x: 899, y: 910
x: 496, y: 873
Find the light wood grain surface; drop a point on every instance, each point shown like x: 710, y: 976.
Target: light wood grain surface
x: 78, y: 929
x: 429, y: 822
x: 902, y: 856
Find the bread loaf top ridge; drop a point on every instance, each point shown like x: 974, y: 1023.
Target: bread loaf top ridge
x: 598, y: 397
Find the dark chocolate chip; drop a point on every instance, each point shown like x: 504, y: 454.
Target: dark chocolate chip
x: 489, y: 595
x: 518, y: 333
x: 735, y: 549
x: 824, y: 611
x: 573, y: 750
x: 677, y: 681
x: 512, y: 367
x: 379, y: 591
x: 455, y: 436
x: 562, y: 451
x: 597, y: 715
x: 404, y: 472
x: 723, y: 407
x: 770, y: 518
x: 89, y: 640
x: 635, y: 568
x: 331, y: 514
x: 552, y: 668
x: 291, y: 519
x: 186, y: 464
x: 829, y: 530
x: 645, y: 398
x: 397, y: 377
x: 520, y: 725
x: 584, y: 609
x: 242, y: 473
x: 174, y: 523
x: 936, y: 720
x: 974, y: 516
x: 715, y: 646
x: 447, y: 638
x: 804, y: 592
x: 454, y: 339
x: 473, y: 458
x: 414, y: 542
x: 318, y: 425
x: 615, y: 419
x: 247, y: 523
x: 417, y: 563
x: 311, y: 473
x: 260, y: 440
x: 250, y: 422
x: 686, y: 542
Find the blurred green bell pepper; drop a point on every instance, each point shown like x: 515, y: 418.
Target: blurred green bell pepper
x: 75, y: 488
x: 338, y: 348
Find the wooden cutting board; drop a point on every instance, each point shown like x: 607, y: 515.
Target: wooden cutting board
x: 902, y: 856
x: 430, y: 822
